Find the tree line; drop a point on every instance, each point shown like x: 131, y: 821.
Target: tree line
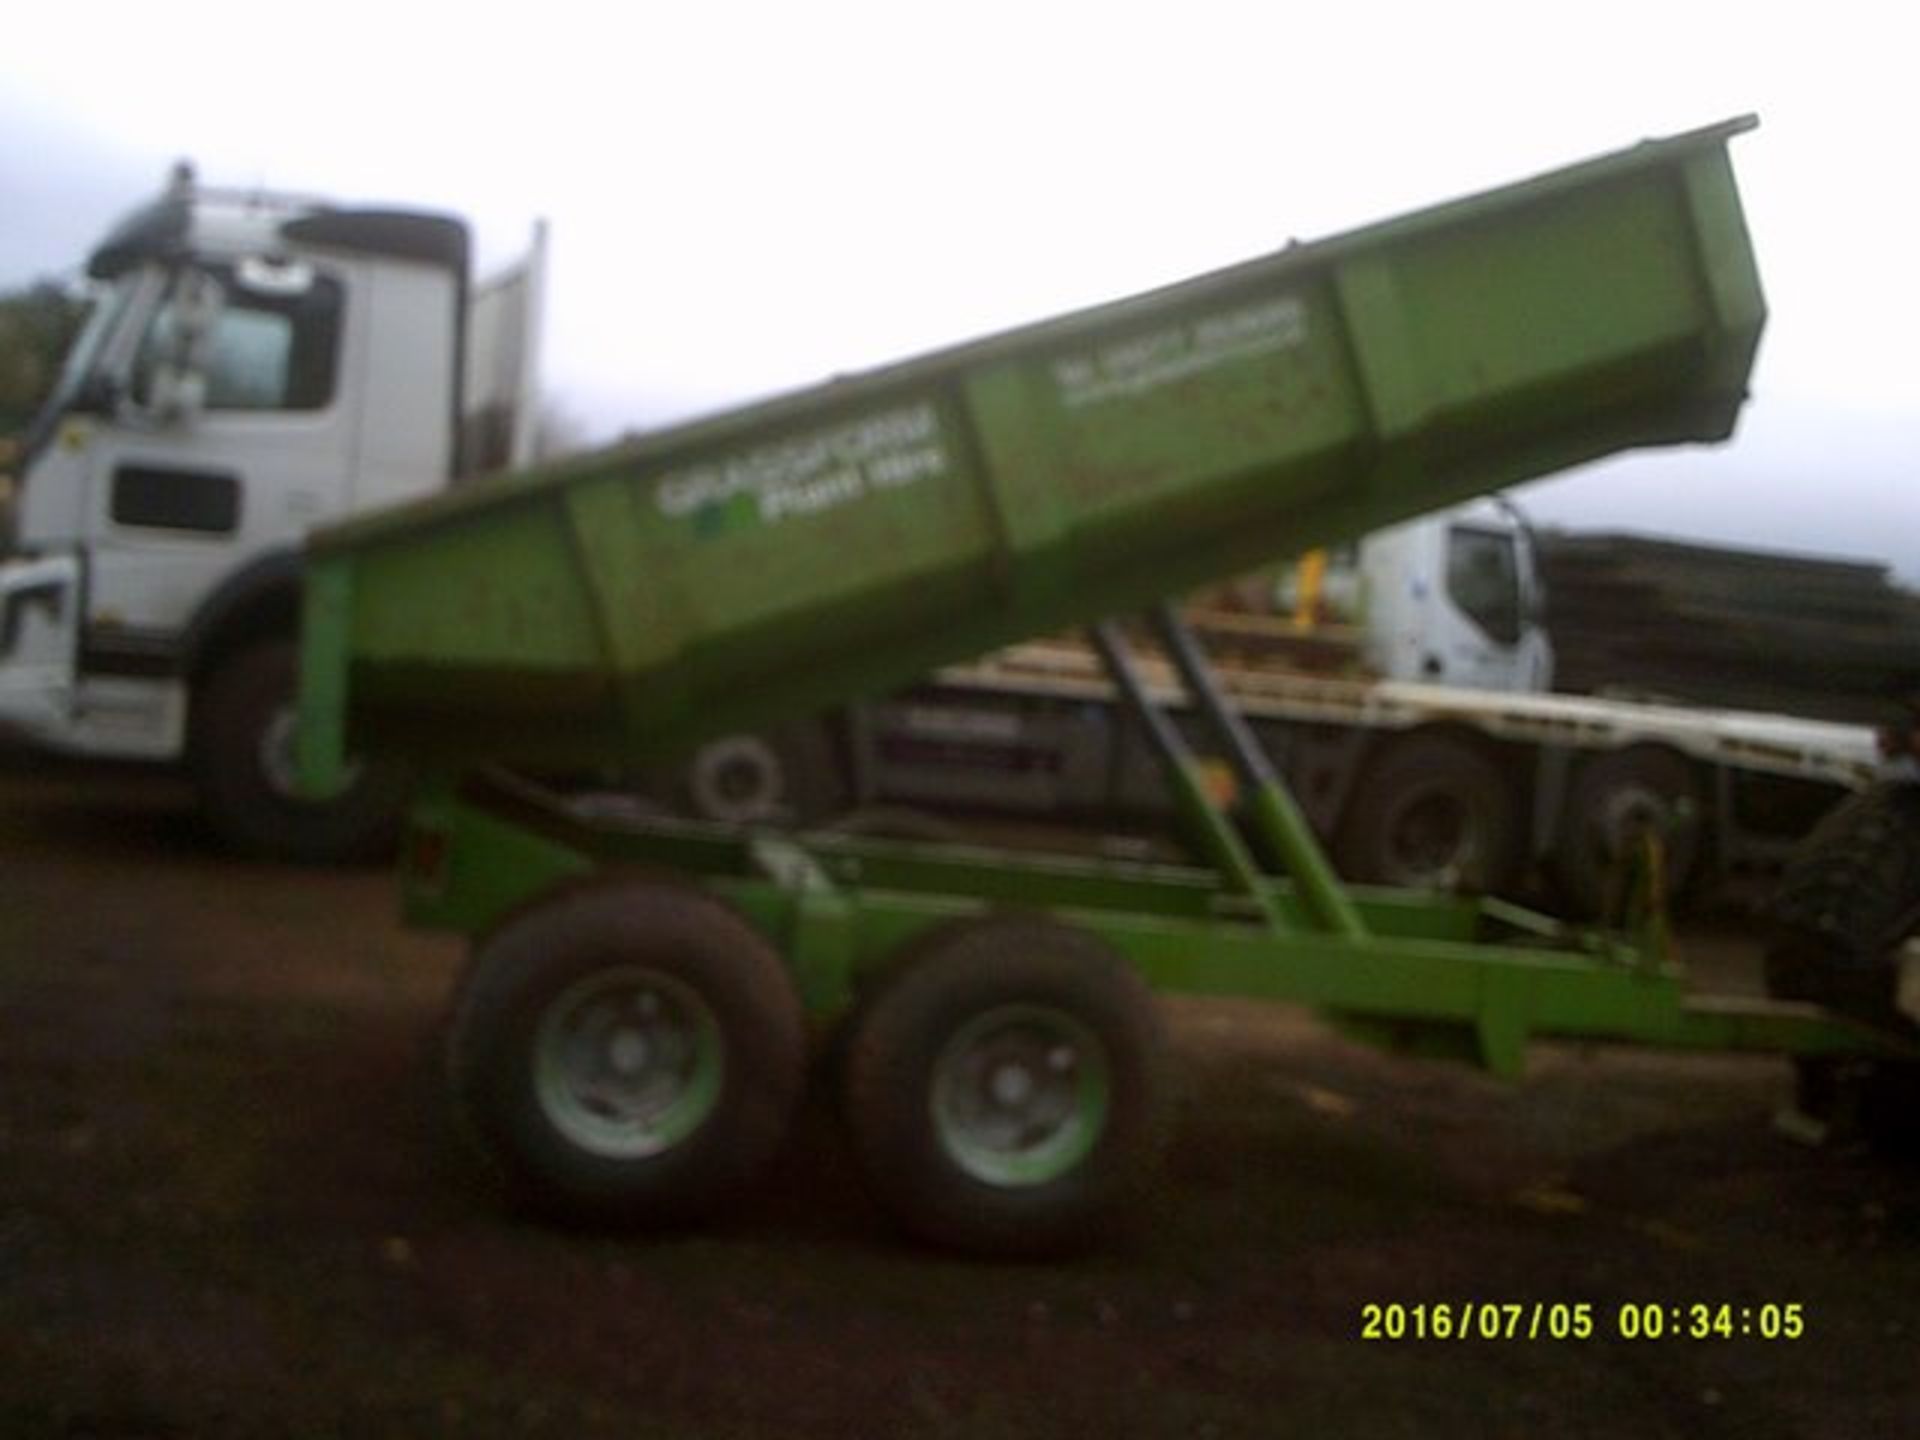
x: 37, y: 324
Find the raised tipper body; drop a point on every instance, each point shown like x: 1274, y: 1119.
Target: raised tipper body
x: 846, y: 539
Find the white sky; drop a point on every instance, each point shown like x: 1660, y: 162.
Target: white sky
x: 750, y: 197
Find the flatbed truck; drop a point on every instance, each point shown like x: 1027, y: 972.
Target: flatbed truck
x: 1407, y: 783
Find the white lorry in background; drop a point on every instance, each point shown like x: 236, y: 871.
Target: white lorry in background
x: 1448, y: 765
x: 1451, y: 598
x: 253, y: 364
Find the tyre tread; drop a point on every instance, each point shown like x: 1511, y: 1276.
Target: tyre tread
x: 547, y: 945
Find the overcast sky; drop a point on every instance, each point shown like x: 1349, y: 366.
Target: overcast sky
x: 746, y: 198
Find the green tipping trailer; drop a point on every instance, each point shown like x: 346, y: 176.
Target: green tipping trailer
x: 631, y: 1037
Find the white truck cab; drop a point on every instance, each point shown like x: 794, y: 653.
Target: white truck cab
x: 1452, y: 598
x: 253, y: 364
x: 1455, y: 599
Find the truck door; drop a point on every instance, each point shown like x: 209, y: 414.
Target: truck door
x: 1484, y: 618
x: 1453, y: 599
x: 234, y: 438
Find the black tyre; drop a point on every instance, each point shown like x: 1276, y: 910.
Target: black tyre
x: 1432, y: 812
x: 240, y: 752
x: 1616, y: 799
x: 1004, y: 1088
x: 1846, y: 903
x: 627, y: 1053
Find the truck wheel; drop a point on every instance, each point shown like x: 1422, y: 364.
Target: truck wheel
x: 737, y: 779
x: 789, y: 776
x: 1848, y: 899
x: 626, y: 1054
x: 1431, y: 812
x: 240, y: 752
x: 1615, y: 800
x: 1004, y: 1088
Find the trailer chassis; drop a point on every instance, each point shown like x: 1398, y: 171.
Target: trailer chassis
x: 1031, y: 1106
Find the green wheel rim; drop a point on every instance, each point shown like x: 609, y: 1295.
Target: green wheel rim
x: 1020, y: 1095
x: 627, y: 1063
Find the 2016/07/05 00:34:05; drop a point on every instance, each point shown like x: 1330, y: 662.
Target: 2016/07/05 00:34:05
x: 1541, y: 1320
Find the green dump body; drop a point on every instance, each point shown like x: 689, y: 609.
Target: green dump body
x: 844, y: 540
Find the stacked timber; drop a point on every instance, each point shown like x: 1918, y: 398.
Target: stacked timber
x: 1659, y: 619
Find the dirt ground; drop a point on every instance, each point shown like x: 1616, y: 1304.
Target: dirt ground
x: 231, y: 1205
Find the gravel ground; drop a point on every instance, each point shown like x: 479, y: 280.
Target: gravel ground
x: 231, y: 1205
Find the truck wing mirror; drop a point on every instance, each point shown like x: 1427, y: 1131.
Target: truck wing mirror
x: 175, y: 380
x: 177, y: 394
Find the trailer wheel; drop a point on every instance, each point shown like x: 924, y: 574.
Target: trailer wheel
x: 1615, y: 800
x: 1004, y: 1088
x: 1431, y: 812
x: 240, y: 752
x: 626, y: 1053
x: 1847, y: 901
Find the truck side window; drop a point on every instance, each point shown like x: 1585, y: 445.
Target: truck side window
x: 1483, y: 579
x: 267, y: 352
